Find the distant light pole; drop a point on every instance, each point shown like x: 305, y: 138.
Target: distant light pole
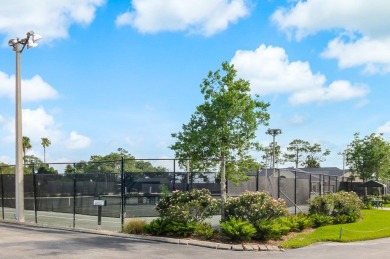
x: 30, y: 41
x: 343, y: 154
x: 273, y: 132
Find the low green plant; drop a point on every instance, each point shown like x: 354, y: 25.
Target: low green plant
x: 367, y: 201
x: 300, y: 222
x: 320, y: 220
x: 161, y: 227
x: 205, y: 231
x: 238, y: 230
x: 156, y: 227
x: 386, y: 199
x: 272, y: 229
x: 134, y: 226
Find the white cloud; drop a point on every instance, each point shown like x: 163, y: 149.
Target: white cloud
x: 34, y: 89
x: 364, y: 34
x: 308, y: 17
x: 77, y: 141
x: 385, y: 128
x: 269, y: 71
x: 373, y: 54
x: 205, y: 17
x: 36, y: 124
x: 50, y: 18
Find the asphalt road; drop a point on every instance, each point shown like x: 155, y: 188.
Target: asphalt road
x: 21, y: 241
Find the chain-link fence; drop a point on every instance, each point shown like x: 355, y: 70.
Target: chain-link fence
x: 103, y: 194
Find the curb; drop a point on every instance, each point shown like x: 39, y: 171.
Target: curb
x: 188, y: 242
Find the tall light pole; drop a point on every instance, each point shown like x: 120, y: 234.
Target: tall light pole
x: 343, y: 154
x: 30, y: 41
x: 273, y: 132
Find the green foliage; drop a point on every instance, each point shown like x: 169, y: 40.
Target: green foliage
x: 369, y: 157
x: 196, y: 205
x: 272, y: 229
x: 320, y: 220
x: 111, y: 163
x: 205, y: 231
x: 134, y: 226
x: 302, y: 153
x: 6, y: 169
x: 367, y: 201
x: 337, y: 204
x: 300, y: 222
x: 386, y: 199
x: 238, y: 229
x: 254, y: 206
x: 45, y: 169
x: 156, y: 227
x: 222, y: 130
x: 161, y: 226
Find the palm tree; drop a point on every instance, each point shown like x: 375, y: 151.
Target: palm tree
x: 26, y: 144
x: 45, y: 143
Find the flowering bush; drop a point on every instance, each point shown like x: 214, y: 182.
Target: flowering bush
x: 337, y: 204
x: 196, y: 205
x: 255, y: 206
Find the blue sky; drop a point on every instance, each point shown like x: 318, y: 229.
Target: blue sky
x: 112, y: 73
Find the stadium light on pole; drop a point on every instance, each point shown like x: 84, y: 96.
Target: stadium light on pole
x: 273, y: 132
x: 30, y: 41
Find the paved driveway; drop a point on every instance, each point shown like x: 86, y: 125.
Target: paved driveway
x: 21, y: 241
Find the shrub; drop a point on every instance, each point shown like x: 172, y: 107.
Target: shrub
x: 320, y: 220
x: 134, y: 226
x: 336, y: 204
x: 156, y: 227
x: 196, y: 205
x: 386, y: 199
x: 300, y: 222
x: 367, y: 201
x: 205, y: 231
x: 272, y: 229
x: 254, y: 206
x: 238, y: 229
x: 160, y: 227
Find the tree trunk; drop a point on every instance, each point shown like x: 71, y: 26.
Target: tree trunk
x: 223, y: 188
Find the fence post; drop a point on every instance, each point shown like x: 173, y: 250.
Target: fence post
x: 329, y: 184
x: 295, y: 192
x: 122, y: 193
x: 2, y: 193
x: 257, y: 179
x: 174, y: 175
x: 337, y: 187
x: 35, y: 194
x: 278, y: 183
x: 310, y: 186
x: 320, y: 185
x: 74, y: 195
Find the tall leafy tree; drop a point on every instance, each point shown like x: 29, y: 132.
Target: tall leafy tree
x: 295, y: 151
x: 303, y: 153
x: 314, y: 156
x: 45, y: 143
x: 268, y: 153
x: 221, y: 131
x: 26, y: 145
x: 369, y: 157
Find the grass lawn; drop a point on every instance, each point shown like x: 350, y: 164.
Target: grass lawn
x: 375, y: 224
